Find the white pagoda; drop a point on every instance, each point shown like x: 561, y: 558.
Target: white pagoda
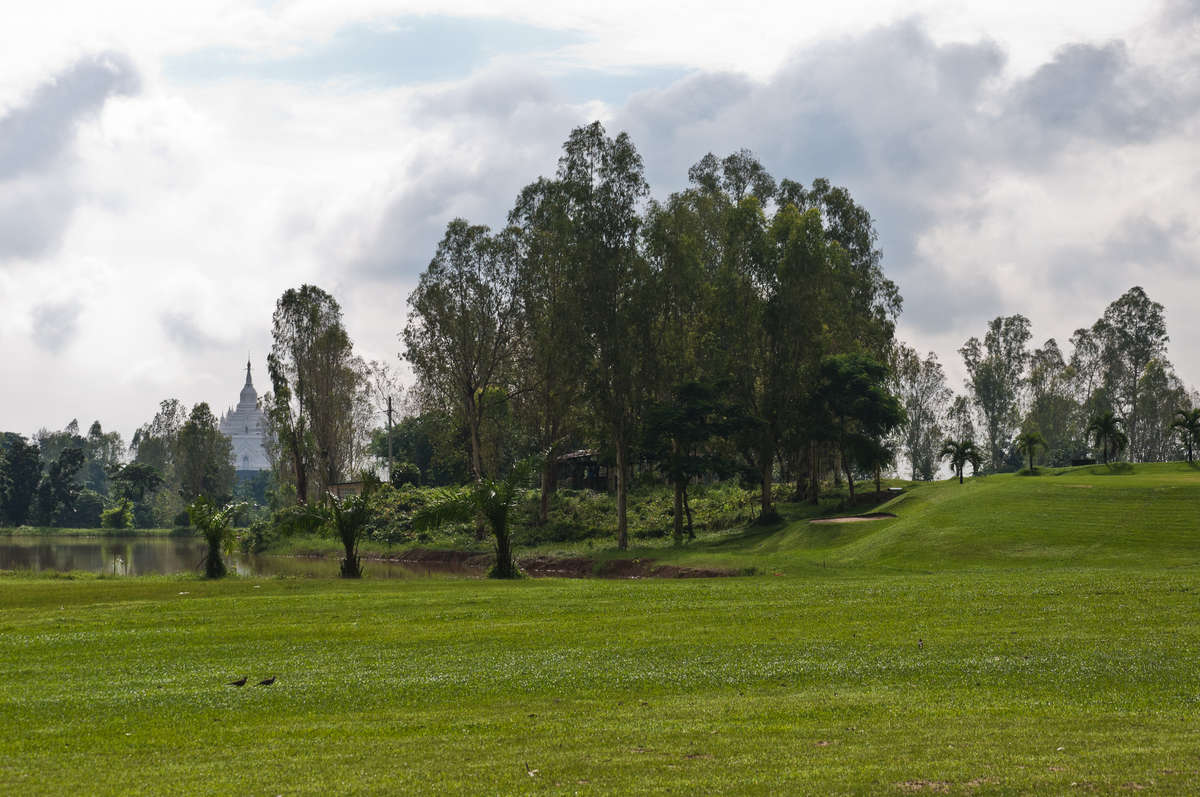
x: 246, y: 426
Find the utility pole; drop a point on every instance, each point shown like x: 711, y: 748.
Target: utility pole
x: 389, y: 432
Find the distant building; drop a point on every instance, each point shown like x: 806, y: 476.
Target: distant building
x: 246, y: 426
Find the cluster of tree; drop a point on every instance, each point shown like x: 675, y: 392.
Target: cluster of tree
x: 601, y: 318
x: 59, y: 478
x: 1115, y: 391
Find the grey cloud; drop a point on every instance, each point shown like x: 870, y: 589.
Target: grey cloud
x: 56, y: 324
x: 494, y: 94
x: 497, y: 148
x: 34, y: 134
x: 1095, y: 92
x: 37, y: 194
x: 182, y: 330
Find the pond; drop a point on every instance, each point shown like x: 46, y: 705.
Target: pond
x: 140, y: 556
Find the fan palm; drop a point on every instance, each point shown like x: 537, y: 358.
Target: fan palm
x: 1029, y: 442
x: 1188, y: 424
x: 348, y: 517
x: 488, y: 500
x: 960, y: 452
x: 1105, y: 429
x: 216, y: 526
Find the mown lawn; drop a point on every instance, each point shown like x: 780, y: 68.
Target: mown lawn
x: 1027, y: 679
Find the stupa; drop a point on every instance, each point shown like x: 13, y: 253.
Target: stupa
x: 246, y: 426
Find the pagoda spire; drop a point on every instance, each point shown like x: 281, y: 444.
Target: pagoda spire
x: 248, y: 383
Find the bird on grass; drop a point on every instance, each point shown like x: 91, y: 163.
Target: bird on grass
x: 267, y: 681
x: 239, y: 682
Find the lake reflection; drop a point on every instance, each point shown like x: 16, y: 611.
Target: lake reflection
x: 141, y: 556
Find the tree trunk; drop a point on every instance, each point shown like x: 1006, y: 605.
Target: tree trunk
x: 505, y: 568
x: 301, y: 471
x: 814, y: 497
x: 622, y: 494
x: 960, y: 471
x: 476, y: 457
x: 678, y: 524
x: 688, y: 511
x: 849, y: 479
x: 879, y: 482
x: 767, y: 511
x: 547, y: 479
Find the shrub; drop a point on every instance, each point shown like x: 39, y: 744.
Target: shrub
x: 118, y: 516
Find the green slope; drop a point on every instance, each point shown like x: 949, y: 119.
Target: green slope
x: 1141, y: 515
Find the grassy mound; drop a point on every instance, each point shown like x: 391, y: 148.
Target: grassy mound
x: 1142, y: 515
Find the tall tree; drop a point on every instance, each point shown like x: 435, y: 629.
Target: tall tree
x: 59, y: 487
x: 460, y: 333
x: 316, y: 407
x: 996, y: 370
x: 1053, y: 410
x: 22, y: 470
x: 602, y: 181
x: 860, y: 410
x: 204, y: 458
x: 1132, y: 334
x: 551, y: 353
x: 921, y: 387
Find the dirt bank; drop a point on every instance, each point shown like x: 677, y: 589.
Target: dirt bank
x: 544, y: 566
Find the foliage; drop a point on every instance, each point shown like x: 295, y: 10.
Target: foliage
x: 203, y: 458
x: 319, y: 409
x: 489, y: 500
x: 1029, y: 442
x: 960, y: 452
x: 460, y: 333
x: 921, y: 388
x: 857, y: 411
x: 995, y: 370
x: 1107, y: 432
x: 20, y: 472
x: 1187, y: 423
x: 216, y: 526
x: 348, y: 517
x: 118, y: 516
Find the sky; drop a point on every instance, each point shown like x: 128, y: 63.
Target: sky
x: 167, y: 170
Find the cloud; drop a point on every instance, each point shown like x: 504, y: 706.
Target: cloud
x: 37, y: 187
x: 33, y: 135
x: 182, y: 330
x: 56, y: 324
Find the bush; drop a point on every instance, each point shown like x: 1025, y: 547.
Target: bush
x: 119, y: 516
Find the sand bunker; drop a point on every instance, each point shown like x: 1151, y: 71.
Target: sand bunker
x: 855, y: 518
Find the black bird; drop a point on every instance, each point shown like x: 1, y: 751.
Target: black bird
x: 267, y: 681
x: 239, y: 682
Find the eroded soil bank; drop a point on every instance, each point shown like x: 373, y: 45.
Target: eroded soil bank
x: 545, y: 566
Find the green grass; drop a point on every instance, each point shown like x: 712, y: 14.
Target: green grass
x: 1011, y: 635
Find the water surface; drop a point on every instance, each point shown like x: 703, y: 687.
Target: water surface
x: 141, y: 556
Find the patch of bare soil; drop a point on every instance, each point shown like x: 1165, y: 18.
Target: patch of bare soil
x: 855, y: 518
x: 543, y: 566
x: 584, y: 567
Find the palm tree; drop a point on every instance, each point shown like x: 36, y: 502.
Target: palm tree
x: 1106, y: 430
x: 1028, y: 442
x: 486, y: 500
x: 960, y: 453
x: 1188, y: 424
x: 216, y: 525
x: 349, y: 517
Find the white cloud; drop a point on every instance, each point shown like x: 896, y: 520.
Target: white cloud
x: 191, y: 206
